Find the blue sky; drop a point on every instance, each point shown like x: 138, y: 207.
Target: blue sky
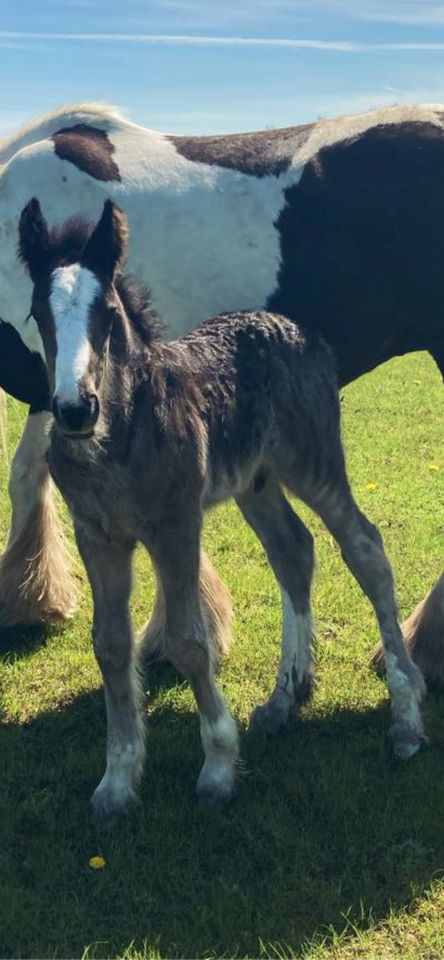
x: 207, y: 66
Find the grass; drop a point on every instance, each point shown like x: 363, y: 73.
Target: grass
x: 332, y: 851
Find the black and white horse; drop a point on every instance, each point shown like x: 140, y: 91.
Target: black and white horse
x: 337, y: 223
x: 147, y: 435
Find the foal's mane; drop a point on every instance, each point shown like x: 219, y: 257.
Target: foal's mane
x: 66, y: 245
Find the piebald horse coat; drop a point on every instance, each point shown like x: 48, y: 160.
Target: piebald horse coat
x: 336, y: 223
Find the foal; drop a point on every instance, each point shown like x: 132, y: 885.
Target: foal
x: 150, y: 433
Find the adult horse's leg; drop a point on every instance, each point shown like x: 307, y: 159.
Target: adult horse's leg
x: 289, y: 548
x: 216, y: 608
x: 424, y: 628
x: 35, y: 579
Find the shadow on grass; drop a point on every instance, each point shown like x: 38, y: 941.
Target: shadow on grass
x: 22, y: 640
x: 326, y: 826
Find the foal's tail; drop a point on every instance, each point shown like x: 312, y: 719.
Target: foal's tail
x: 217, y: 610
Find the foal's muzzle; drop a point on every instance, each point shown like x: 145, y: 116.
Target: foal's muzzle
x: 77, y: 420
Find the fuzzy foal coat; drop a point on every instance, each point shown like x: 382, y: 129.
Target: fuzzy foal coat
x: 153, y: 433
x: 197, y: 420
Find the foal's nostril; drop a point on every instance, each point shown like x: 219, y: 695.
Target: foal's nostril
x: 76, y: 417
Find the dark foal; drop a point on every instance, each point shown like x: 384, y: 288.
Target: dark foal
x: 148, y: 434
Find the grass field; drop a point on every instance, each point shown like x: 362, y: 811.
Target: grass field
x: 332, y: 850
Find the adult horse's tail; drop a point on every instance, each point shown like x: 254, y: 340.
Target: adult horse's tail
x: 424, y: 635
x: 217, y: 610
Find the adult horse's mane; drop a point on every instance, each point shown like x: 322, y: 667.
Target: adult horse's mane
x: 49, y: 123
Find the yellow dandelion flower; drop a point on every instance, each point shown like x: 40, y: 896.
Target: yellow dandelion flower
x: 96, y: 863
x: 433, y: 466
x: 370, y: 486
x: 417, y: 381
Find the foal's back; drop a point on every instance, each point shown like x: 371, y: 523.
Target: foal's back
x: 267, y: 393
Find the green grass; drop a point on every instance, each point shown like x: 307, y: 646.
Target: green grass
x: 332, y: 850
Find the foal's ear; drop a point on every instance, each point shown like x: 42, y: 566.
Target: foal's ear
x: 106, y: 247
x: 34, y: 246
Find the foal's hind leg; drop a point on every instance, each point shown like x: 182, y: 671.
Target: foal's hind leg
x: 289, y: 548
x: 176, y: 554
x: 362, y: 550
x: 35, y: 579
x: 108, y: 565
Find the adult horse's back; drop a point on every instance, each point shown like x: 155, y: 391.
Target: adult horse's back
x: 338, y: 223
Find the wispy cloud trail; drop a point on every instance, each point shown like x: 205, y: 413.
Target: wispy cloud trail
x: 342, y: 46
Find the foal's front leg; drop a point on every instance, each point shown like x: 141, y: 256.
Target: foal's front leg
x: 176, y: 554
x: 108, y: 566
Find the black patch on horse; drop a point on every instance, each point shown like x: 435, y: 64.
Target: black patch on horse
x: 262, y: 154
x: 89, y: 149
x: 22, y: 372
x: 362, y: 245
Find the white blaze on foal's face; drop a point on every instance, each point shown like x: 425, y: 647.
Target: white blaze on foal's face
x: 73, y: 290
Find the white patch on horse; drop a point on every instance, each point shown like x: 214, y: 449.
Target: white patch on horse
x: 327, y: 133
x: 73, y: 291
x: 205, y: 221
x: 187, y: 219
x: 297, y: 630
x: 28, y: 471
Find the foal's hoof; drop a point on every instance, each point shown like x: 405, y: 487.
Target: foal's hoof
x: 405, y: 742
x: 217, y: 787
x: 216, y: 799
x: 107, y: 809
x: 271, y: 717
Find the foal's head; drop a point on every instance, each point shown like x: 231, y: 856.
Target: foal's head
x: 74, y: 303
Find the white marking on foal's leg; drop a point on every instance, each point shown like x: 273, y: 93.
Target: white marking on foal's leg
x: 406, y: 691
x: 125, y: 749
x: 217, y: 780
x: 117, y: 788
x: 296, y: 665
x: 295, y: 674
